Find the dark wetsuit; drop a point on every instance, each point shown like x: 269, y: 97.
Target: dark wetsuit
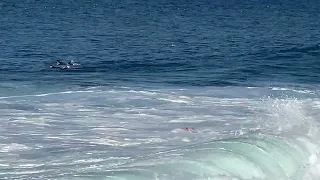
x: 62, y: 65
x: 59, y: 67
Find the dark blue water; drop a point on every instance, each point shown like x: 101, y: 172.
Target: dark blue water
x: 171, y: 43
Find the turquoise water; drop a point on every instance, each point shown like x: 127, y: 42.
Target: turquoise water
x: 244, y: 75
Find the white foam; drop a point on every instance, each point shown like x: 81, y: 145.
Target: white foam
x: 293, y: 90
x: 29, y: 165
x: 110, y: 142
x: 189, y: 120
x: 144, y: 92
x: 79, y: 161
x: 109, y: 129
x: 175, y: 100
x: 13, y: 147
x: 22, y: 172
x: 185, y: 140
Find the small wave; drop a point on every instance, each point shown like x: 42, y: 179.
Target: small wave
x: 26, y: 166
x: 175, y: 100
x: 46, y: 94
x: 293, y: 90
x: 84, y: 161
x: 189, y: 120
x: 22, y: 172
x: 111, y: 142
x: 144, y: 92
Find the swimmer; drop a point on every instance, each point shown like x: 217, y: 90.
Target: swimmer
x: 190, y: 130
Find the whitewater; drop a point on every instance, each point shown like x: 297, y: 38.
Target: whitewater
x: 139, y: 133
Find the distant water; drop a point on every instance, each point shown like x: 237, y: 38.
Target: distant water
x: 245, y: 75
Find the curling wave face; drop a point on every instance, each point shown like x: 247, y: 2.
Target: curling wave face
x: 247, y: 157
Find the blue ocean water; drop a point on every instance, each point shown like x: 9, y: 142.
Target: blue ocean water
x: 244, y: 75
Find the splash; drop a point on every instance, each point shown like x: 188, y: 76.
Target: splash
x: 285, y: 147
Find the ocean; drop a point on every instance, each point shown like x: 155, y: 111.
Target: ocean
x: 163, y: 90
